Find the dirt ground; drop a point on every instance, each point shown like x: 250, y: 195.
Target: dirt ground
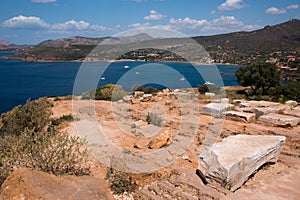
x: 275, y: 181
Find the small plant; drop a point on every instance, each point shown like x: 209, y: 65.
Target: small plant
x: 64, y: 98
x: 56, y: 122
x: 120, y: 183
x: 153, y: 118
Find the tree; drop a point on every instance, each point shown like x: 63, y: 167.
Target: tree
x: 260, y: 76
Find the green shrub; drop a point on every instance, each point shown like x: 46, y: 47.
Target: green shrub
x: 146, y: 90
x: 63, y: 98
x: 109, y: 92
x: 289, y: 91
x: 153, y: 118
x: 51, y: 152
x: 120, y: 183
x: 56, y: 122
x: 138, y: 87
x: 29, y: 140
x: 34, y: 115
x: 209, y: 87
x: 150, y: 90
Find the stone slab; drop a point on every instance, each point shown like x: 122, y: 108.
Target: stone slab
x: 216, y: 109
x: 231, y: 162
x: 240, y: 116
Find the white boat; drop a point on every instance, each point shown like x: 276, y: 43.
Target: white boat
x: 102, y: 78
x: 126, y: 67
x: 182, y: 79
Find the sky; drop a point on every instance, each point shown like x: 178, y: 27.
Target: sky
x: 33, y: 21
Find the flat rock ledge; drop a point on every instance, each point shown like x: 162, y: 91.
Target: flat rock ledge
x: 231, y: 162
x: 273, y: 119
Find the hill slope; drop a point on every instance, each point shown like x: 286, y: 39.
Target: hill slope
x: 238, y: 47
x: 283, y: 37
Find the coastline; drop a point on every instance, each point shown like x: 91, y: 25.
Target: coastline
x: 110, y: 61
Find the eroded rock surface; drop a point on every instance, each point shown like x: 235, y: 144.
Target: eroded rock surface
x: 231, y: 162
x: 32, y: 184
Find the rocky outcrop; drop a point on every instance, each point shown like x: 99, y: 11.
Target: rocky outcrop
x: 231, y: 162
x: 32, y: 184
x: 273, y: 119
x: 240, y: 116
x: 216, y: 109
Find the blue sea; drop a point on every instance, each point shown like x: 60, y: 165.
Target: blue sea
x: 20, y: 81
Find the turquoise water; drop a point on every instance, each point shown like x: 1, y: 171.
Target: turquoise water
x: 20, y: 81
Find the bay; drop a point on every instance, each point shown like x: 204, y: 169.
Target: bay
x: 20, y: 81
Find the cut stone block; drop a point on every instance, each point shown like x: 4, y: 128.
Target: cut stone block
x: 259, y: 111
x: 216, y: 109
x: 240, y: 116
x: 274, y: 119
x: 231, y: 162
x: 259, y: 104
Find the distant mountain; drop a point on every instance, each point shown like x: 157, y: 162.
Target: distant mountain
x: 78, y: 40
x: 4, y: 43
x: 127, y: 39
x: 7, y: 46
x: 236, y: 48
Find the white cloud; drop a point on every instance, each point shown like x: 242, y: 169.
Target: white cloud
x: 187, y: 23
x: 212, y: 12
x: 72, y: 24
x: 293, y: 6
x: 25, y: 22
x: 99, y: 28
x: 232, y: 5
x: 189, y: 26
x: 43, y: 1
x: 139, y: 25
x: 36, y: 24
x: 154, y: 16
x: 275, y: 11
x: 224, y: 24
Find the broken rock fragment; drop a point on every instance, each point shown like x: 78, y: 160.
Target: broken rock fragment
x: 231, y: 162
